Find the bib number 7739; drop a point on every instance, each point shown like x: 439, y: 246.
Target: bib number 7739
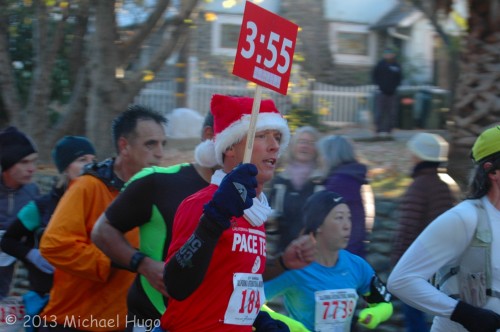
x: 334, y: 309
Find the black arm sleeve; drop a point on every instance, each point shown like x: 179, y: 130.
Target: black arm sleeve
x: 378, y: 291
x: 185, y: 271
x: 12, y: 243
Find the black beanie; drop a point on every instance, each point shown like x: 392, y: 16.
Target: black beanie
x: 70, y: 148
x: 317, y: 207
x: 14, y: 146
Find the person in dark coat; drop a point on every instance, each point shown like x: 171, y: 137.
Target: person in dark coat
x: 387, y: 75
x: 431, y: 193
x: 348, y: 177
x: 21, y: 239
x: 18, y: 157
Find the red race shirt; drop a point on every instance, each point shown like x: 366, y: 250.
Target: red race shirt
x: 231, y: 294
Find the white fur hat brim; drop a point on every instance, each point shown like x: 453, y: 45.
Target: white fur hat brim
x: 209, y: 153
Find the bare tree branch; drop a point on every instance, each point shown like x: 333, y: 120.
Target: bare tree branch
x: 77, y: 49
x: 46, y: 48
x: 130, y: 47
x: 73, y: 121
x: 177, y: 38
x: 176, y: 30
x: 430, y: 9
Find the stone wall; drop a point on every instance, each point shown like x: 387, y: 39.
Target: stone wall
x: 379, y: 251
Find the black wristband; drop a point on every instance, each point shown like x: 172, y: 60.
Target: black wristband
x: 136, y: 260
x: 282, y: 264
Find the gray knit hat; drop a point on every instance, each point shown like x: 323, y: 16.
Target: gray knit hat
x: 429, y: 147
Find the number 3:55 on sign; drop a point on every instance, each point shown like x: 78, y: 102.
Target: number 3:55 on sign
x: 265, y: 48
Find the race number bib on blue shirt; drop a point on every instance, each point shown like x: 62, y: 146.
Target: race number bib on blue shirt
x: 334, y: 310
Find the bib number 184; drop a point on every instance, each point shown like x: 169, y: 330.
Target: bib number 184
x: 250, y: 300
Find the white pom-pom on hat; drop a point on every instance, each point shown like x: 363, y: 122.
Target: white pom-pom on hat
x: 204, y: 154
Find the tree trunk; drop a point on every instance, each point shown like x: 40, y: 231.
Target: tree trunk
x: 477, y: 102
x: 46, y: 47
x: 8, y: 91
x: 93, y: 55
x: 104, y: 92
x: 73, y: 122
x: 77, y: 58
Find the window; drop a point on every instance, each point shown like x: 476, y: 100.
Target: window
x: 225, y: 34
x: 352, y: 44
x: 229, y: 35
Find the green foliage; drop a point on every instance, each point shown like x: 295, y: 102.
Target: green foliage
x: 298, y: 117
x: 20, y: 44
x: 20, y: 16
x: 61, y: 81
x: 390, y: 185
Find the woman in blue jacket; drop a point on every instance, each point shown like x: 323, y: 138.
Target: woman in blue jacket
x: 323, y: 295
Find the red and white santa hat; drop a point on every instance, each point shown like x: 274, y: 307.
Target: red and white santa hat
x: 231, y: 122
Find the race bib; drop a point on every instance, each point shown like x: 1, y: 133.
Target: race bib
x: 246, y: 299
x: 334, y: 310
x: 12, y: 314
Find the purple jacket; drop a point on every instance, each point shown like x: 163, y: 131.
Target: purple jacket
x: 346, y: 180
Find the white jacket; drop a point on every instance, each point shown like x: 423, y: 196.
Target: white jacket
x: 440, y: 244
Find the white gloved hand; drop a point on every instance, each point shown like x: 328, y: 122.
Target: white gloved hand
x: 41, y: 263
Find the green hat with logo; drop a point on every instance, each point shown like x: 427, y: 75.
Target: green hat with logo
x: 487, y: 144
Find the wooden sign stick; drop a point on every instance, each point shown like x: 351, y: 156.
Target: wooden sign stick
x: 253, y: 122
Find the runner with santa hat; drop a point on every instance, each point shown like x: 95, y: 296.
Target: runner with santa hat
x: 218, y: 253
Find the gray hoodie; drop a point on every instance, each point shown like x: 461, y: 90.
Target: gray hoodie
x: 12, y: 200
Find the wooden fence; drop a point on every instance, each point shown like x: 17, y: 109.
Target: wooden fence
x: 158, y: 95
x: 336, y: 105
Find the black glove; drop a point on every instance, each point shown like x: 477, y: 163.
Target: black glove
x: 475, y: 319
x: 235, y: 194
x: 264, y: 323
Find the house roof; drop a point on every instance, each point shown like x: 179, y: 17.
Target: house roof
x: 357, y: 11
x: 238, y: 6
x: 402, y: 15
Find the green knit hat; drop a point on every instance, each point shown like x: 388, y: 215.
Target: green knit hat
x: 487, y: 144
x: 70, y: 148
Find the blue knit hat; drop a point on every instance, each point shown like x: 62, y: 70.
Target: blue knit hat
x: 317, y: 207
x: 14, y: 146
x: 68, y: 149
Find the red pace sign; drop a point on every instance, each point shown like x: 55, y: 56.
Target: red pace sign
x: 265, y: 48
